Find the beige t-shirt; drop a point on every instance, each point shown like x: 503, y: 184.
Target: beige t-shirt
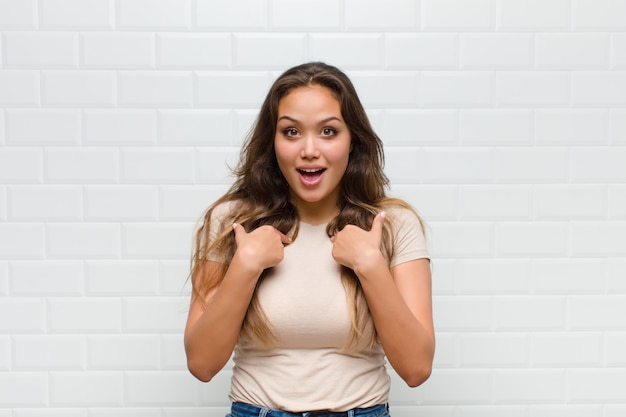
x: 305, y: 303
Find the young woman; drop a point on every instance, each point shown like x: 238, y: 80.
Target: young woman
x: 306, y: 269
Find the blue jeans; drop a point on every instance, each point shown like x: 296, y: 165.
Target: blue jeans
x: 247, y: 410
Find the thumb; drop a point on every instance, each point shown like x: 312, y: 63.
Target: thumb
x: 284, y: 238
x: 378, y: 223
x: 239, y: 230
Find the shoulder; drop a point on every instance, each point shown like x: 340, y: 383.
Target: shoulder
x: 400, y: 214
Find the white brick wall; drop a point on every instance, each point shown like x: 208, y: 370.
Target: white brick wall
x: 504, y: 123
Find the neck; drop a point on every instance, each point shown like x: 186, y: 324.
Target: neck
x: 316, y: 213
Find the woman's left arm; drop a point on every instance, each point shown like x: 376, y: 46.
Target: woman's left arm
x: 399, y: 300
x: 400, y: 303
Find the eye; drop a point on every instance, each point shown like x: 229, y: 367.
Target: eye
x: 290, y: 132
x: 329, y: 131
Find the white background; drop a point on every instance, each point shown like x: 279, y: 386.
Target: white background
x: 504, y: 123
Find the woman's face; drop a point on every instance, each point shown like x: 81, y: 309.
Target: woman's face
x: 312, y: 145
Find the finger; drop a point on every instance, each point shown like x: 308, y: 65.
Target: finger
x: 239, y: 230
x: 284, y: 238
x: 378, y: 223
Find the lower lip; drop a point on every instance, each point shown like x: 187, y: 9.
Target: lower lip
x: 311, y: 181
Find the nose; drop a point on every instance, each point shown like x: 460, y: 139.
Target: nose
x: 309, y: 148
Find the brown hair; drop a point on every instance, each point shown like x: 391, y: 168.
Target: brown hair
x: 260, y: 195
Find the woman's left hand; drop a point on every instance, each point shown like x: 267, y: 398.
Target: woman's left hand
x: 359, y: 249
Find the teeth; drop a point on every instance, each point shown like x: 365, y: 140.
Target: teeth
x: 311, y: 170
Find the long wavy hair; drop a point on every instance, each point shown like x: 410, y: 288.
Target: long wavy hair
x: 260, y: 196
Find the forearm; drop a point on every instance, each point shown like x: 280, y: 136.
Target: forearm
x: 408, y: 343
x: 210, y: 341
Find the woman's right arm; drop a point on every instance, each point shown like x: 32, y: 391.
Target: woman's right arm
x: 213, y: 324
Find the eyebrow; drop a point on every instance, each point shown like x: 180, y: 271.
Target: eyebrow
x: 328, y: 119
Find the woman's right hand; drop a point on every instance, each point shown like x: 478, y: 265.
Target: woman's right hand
x: 260, y: 249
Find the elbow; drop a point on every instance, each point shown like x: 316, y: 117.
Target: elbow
x: 201, y: 373
x: 417, y: 377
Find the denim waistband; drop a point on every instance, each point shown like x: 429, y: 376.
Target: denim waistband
x: 246, y: 410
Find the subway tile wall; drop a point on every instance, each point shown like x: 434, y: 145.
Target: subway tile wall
x: 504, y: 123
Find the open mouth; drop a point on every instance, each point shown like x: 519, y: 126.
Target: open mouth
x: 311, y: 176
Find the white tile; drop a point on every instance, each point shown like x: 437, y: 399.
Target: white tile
x: 45, y: 203
x: 157, y: 166
x: 155, y: 89
x: 83, y: 240
x: 394, y: 15
x: 617, y: 126
x: 275, y: 51
x: 457, y: 165
x: 604, y: 389
x: 306, y: 15
x: 245, y: 15
x: 84, y: 315
x: 421, y: 50
x: 21, y: 165
x: 598, y: 15
x: 43, y: 127
x: 598, y: 239
x: 120, y: 203
x: 41, y: 50
x: 458, y: 15
x: 495, y: 127
x: 567, y: 350
x: 77, y: 389
x: 567, y: 276
x: 231, y: 89
x: 196, y: 127
x: 397, y: 89
x: 567, y: 201
x: 154, y: 240
x: 182, y: 50
x: 595, y: 164
x: 18, y: 14
x: 19, y: 88
x: 572, y: 51
x: 496, y: 51
x: 120, y: 127
x: 47, y: 278
x: 76, y: 165
x: 48, y: 352
x: 155, y: 315
x: 164, y: 388
x: 618, y: 50
x: 22, y: 241
x: 121, y: 278
x: 461, y: 239
x: 534, y: 15
x: 122, y: 352
x: 485, y: 350
x: 529, y: 313
x: 419, y: 127
x: 526, y: 165
x: 571, y: 127
x: 163, y: 14
x: 214, y: 166
x: 85, y: 14
x: 532, y: 89
x: 117, y: 50
x: 495, y: 202
x: 456, y: 89
x: 23, y: 389
x: 528, y: 386
x: 599, y: 89
x: 525, y: 239
x: 346, y: 50
x: 78, y: 88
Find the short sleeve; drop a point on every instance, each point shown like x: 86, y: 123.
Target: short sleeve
x: 408, y: 236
